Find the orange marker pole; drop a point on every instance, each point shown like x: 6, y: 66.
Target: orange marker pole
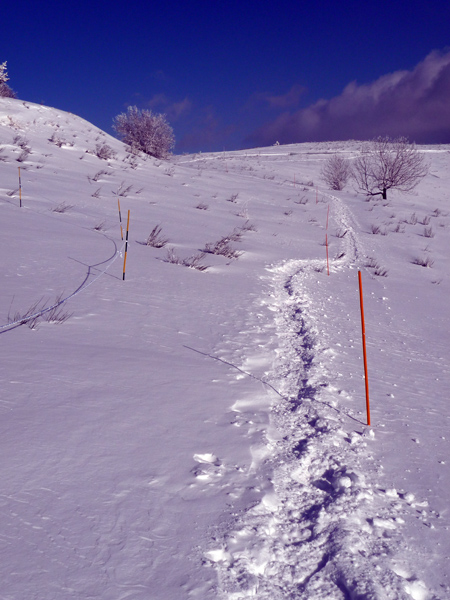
x: 120, y: 220
x: 126, y: 247
x: 20, y: 190
x: 364, y: 347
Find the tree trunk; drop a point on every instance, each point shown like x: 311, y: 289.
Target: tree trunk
x: 384, y: 194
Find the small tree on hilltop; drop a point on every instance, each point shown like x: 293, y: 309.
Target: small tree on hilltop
x: 336, y: 172
x: 5, y: 90
x: 386, y: 164
x: 145, y: 131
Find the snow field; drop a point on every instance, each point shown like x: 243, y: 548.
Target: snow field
x: 189, y: 434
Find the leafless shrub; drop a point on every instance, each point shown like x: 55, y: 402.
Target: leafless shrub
x: 336, y: 172
x: 423, y: 261
x: 202, y: 206
x: 123, y: 190
x: 97, y: 176
x: 21, y: 142
x: 377, y: 230
x: 288, y: 213
x: 223, y: 246
x: 62, y: 208
x: 40, y: 311
x: 399, y: 228
x: 132, y: 160
x: 55, y: 139
x: 12, y: 193
x: 96, y: 194
x: 23, y: 155
x: 340, y: 233
x: 247, y: 226
x: 193, y: 262
x: 428, y: 232
x: 386, y: 164
x: 233, y: 197
x: 426, y: 220
x: 100, y: 226
x: 145, y: 131
x: 436, y: 212
x: 155, y: 239
x: 104, y: 151
x: 302, y: 200
x: 2, y: 156
x: 377, y: 269
x: 380, y: 272
x: 412, y: 219
x: 370, y: 262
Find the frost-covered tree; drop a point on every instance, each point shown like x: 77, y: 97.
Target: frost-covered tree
x: 386, y: 164
x: 336, y: 172
x: 145, y: 131
x: 5, y: 90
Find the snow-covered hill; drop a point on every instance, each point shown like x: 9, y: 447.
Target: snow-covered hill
x: 198, y: 430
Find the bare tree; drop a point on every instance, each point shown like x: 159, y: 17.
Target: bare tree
x: 336, y: 172
x: 145, y: 131
x: 386, y: 164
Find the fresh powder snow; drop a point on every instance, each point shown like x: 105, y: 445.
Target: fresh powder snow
x: 197, y: 428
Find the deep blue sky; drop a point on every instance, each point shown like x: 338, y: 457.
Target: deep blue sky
x: 232, y: 74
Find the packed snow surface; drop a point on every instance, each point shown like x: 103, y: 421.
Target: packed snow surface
x: 198, y: 429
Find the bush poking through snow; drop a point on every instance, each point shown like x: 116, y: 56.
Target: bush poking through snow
x: 223, y: 246
x: 123, y: 191
x: 97, y: 176
x: 62, y: 208
x: 193, y: 262
x: 377, y: 270
x: 377, y: 230
x: 424, y: 261
x: 336, y: 172
x: 145, y: 131
x: 104, y: 151
x: 23, y: 155
x: 155, y: 239
x: 40, y: 311
x: 100, y: 226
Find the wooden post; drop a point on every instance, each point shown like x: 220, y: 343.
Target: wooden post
x: 363, y: 328
x: 120, y: 220
x: 126, y: 246
x: 20, y: 190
